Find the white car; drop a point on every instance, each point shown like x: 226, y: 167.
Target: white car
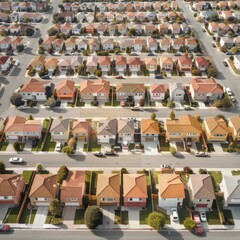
x: 228, y: 91
x: 203, y: 216
x: 174, y: 214
x: 233, y: 98
x: 16, y: 63
x: 22, y: 107
x: 16, y: 160
x: 58, y: 147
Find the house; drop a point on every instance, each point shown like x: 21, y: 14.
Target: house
x: 122, y: 28
x: 67, y: 16
x: 60, y: 130
x: 104, y: 63
x: 57, y: 44
x: 175, y: 28
x: 90, y: 28
x: 5, y: 43
x: 224, y: 28
x: 126, y: 131
x: 36, y: 90
x: 171, y: 191
x: 80, y: 130
x: 80, y: 16
x: 185, y: 28
x: 157, y: 91
x: 66, y: 28
x: 236, y: 61
x: 72, y: 189
x: 230, y: 186
x: 177, y: 44
x: 16, y: 42
x: 134, y: 190
x: 149, y: 130
x: 163, y: 28
x: 38, y: 62
x: 31, y: 16
x: 107, y: 131
x: 92, y: 64
x: 151, y: 64
x: 135, y: 90
x: 191, y: 44
x: 101, y: 28
x: 138, y: 44
x: 100, y: 16
x: 76, y: 61
x: 11, y: 188
x: 165, y: 44
x: 108, y: 190
x: 201, y: 63
x: 19, y: 128
x: 94, y: 45
x: 70, y: 44
x: 186, y: 128
x: 152, y: 44
x: 184, y: 64
x: 121, y: 64
x: 5, y: 63
x: 237, y: 42
x: 43, y: 190
x: 107, y: 44
x: 94, y: 90
x: 176, y: 91
x: 213, y: 27
x: 201, y: 190
x: 51, y: 65
x: 111, y: 30
x: 64, y: 65
x: 205, y: 89
x: 128, y: 43
x: 216, y: 129
x: 4, y: 17
x: 166, y: 63
x: 81, y: 44
x: 134, y: 64
x: 227, y: 42
x: 65, y: 90
x: 234, y: 124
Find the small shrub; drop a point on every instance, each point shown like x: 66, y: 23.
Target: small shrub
x: 189, y: 224
x: 16, y: 146
x: 187, y: 170
x: 202, y: 171
x: 56, y: 221
x: 39, y: 167
x: 173, y: 150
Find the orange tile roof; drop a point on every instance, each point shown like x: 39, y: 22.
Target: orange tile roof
x: 134, y: 61
x: 15, y: 124
x: 151, y: 61
x: 149, y: 126
x: 98, y: 86
x: 104, y: 61
x: 80, y: 127
x: 9, y: 184
x: 130, y: 87
x: 65, y: 86
x: 206, y: 86
x: 134, y: 186
x: 158, y: 88
x: 235, y: 120
x: 216, y: 125
x: 120, y: 60
x: 171, y: 186
x: 183, y: 60
x: 34, y: 85
x: 201, y: 61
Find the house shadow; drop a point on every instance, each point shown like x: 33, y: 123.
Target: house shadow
x: 179, y: 155
x: 2, y: 91
x: 4, y: 80
x: 77, y: 157
x: 16, y: 71
x: 170, y: 234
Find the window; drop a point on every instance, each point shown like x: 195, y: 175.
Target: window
x: 199, y: 200
x: 134, y: 199
x: 41, y: 199
x: 107, y: 199
x: 208, y: 200
x: 73, y: 199
x: 6, y: 198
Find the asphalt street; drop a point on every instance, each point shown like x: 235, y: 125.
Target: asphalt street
x: 115, y: 235
x: 128, y: 161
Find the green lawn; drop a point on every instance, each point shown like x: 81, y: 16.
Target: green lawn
x: 79, y: 216
x: 94, y: 182
x: 87, y: 181
x: 85, y: 147
x: 217, y: 176
x: 49, y: 146
x: 46, y: 123
x: 12, y: 215
x: 144, y: 213
x: 49, y: 218
x: 27, y: 176
x: 213, y: 217
x: 117, y: 219
x: 209, y: 145
x: 3, y: 146
x: 164, y: 146
x: 224, y: 146
x: 26, y: 214
x: 80, y: 103
x: 113, y: 103
x: 183, y: 215
x: 167, y: 217
x: 38, y: 146
x: 235, y: 172
x: 228, y: 217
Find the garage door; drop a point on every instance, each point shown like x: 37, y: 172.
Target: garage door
x: 201, y: 205
x: 149, y: 139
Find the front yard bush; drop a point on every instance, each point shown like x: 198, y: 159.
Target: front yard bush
x: 93, y: 217
x: 156, y: 220
x: 189, y: 224
x: 173, y: 150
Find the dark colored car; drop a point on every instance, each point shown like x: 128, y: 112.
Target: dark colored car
x: 119, y: 77
x: 158, y: 77
x: 110, y: 153
x: 225, y: 63
x: 4, y: 228
x: 34, y: 142
x: 98, y: 154
x: 137, y: 109
x: 45, y: 77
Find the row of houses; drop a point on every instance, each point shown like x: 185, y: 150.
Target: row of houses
x: 185, y: 129
x: 121, y: 6
x: 122, y: 65
x: 223, y: 5
x: 23, y: 6
x: 222, y: 28
x: 171, y: 190
x: 137, y: 44
x: 10, y: 42
x: 121, y: 29
x: 20, y: 16
x: 14, y: 29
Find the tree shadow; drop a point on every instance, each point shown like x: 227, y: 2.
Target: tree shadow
x: 179, y: 155
x: 4, y: 80
x: 16, y: 71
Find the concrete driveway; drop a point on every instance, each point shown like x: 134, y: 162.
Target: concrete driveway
x: 40, y: 217
x: 150, y: 148
x: 236, y: 216
x: 68, y: 216
x: 3, y: 212
x: 108, y: 217
x: 133, y: 217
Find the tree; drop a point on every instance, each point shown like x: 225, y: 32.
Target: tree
x: 2, y: 167
x: 71, y: 142
x: 226, y: 102
x: 16, y: 146
x: 153, y: 116
x: 223, y: 49
x: 212, y: 71
x: 39, y: 167
x: 189, y: 224
x: 40, y: 41
x: 170, y: 103
x: 128, y: 50
x: 54, y: 207
x: 172, y: 150
x: 93, y: 217
x: 51, y: 102
x: 48, y: 91
x: 16, y: 99
x: 234, y: 50
x: 30, y: 117
x: 98, y: 73
x: 141, y: 102
x: 29, y: 31
x: 156, y: 220
x: 62, y: 174
x: 172, y: 115
x: 67, y: 150
x: 40, y: 50
x: 188, y: 170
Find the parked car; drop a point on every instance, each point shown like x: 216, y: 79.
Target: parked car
x: 92, y: 77
x: 166, y: 166
x: 214, y: 45
x: 203, y: 216
x: 110, y: 153
x: 58, y: 147
x: 201, y: 154
x: 136, y: 109
x: 133, y: 54
x: 225, y: 63
x: 174, y: 214
x: 98, y: 154
x: 16, y: 160
x: 186, y: 107
x: 4, y: 228
x: 228, y: 91
x: 233, y: 99
x: 178, y: 54
x: 34, y: 142
x: 229, y: 53
x: 158, y: 77
x: 16, y: 63
x: 45, y: 77
x: 22, y: 107
x: 119, y: 77
x: 198, y: 229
